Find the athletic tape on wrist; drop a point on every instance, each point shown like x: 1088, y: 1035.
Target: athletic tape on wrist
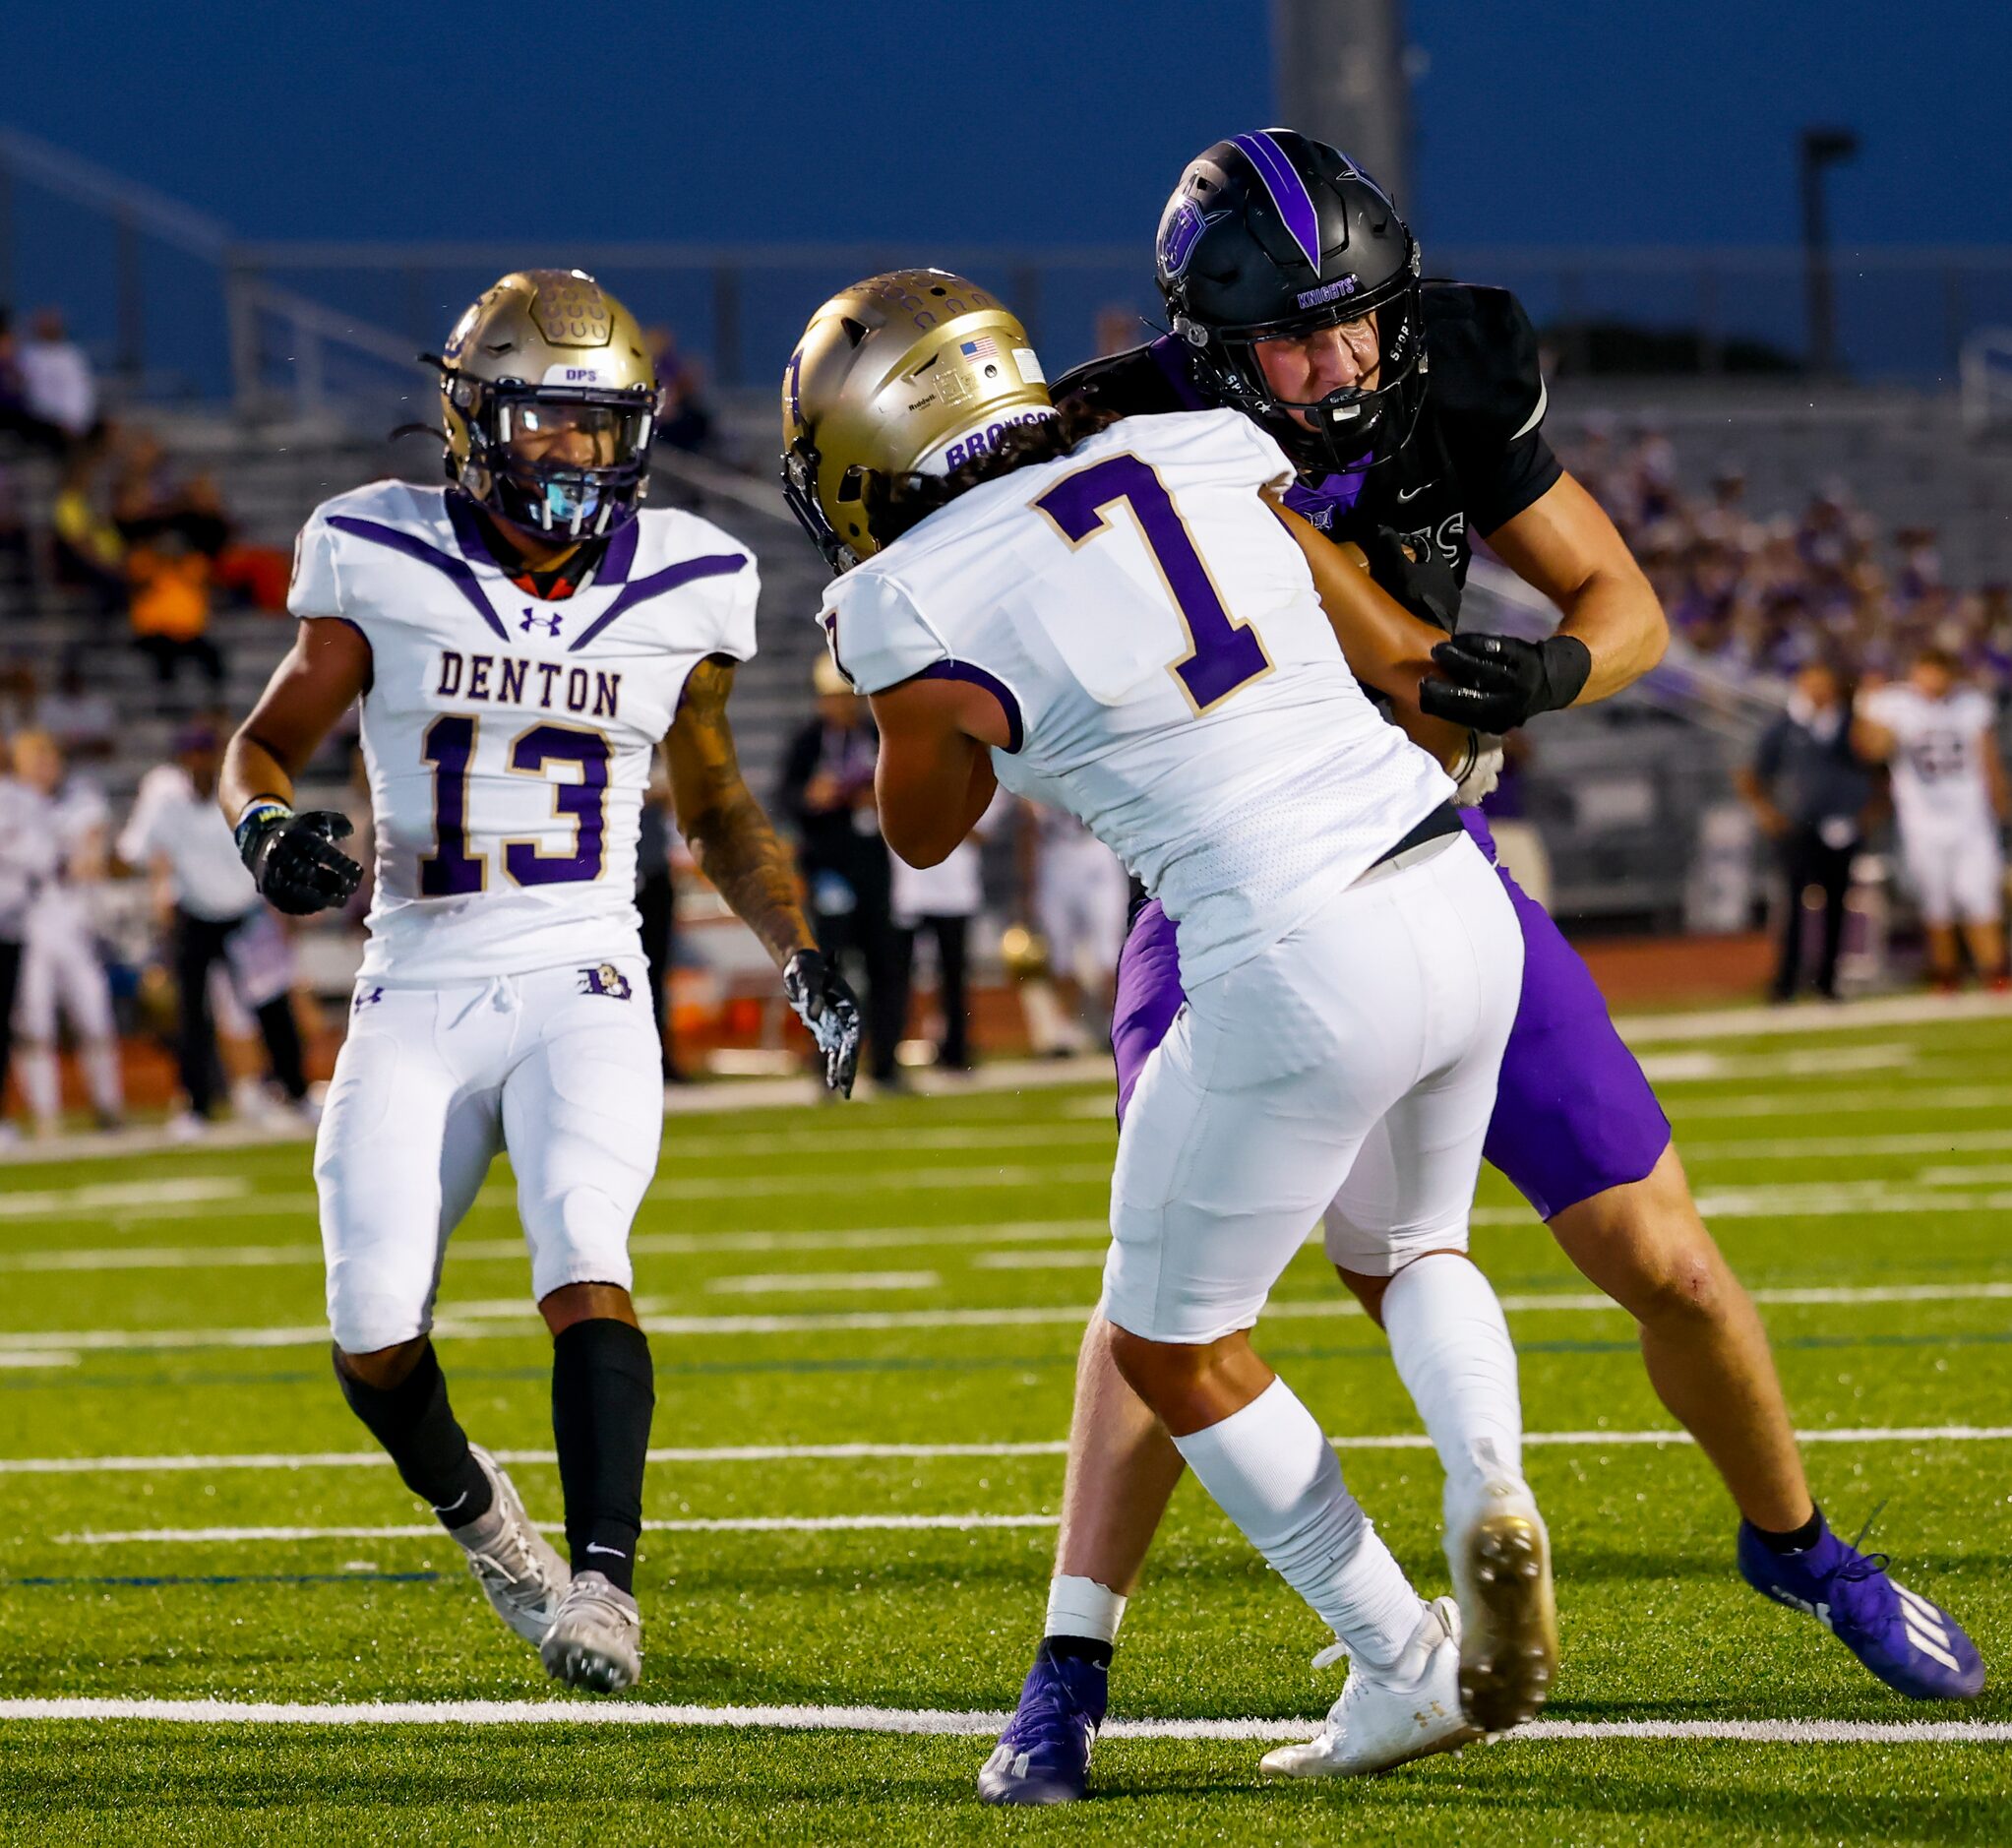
x: 257, y: 812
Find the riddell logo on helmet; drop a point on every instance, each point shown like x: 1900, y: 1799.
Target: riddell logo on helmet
x: 1327, y: 291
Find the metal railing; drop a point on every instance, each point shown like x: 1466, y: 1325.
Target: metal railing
x: 172, y: 298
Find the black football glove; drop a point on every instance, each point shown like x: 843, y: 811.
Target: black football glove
x: 1495, y: 683
x: 1425, y: 584
x: 294, y: 859
x: 827, y: 1006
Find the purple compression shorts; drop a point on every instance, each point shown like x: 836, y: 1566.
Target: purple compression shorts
x: 1574, y: 1114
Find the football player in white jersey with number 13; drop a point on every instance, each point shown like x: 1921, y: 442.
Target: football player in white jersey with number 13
x: 522, y: 642
x: 1124, y: 622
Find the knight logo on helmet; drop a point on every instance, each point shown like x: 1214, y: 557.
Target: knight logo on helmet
x: 549, y: 397
x: 1274, y: 236
x: 915, y: 372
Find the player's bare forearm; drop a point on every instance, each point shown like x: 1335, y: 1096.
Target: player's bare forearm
x: 934, y: 777
x: 1448, y: 742
x: 324, y: 673
x: 731, y: 838
x: 1385, y: 645
x: 1565, y: 545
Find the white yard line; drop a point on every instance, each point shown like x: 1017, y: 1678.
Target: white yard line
x: 431, y: 1530
x: 920, y: 1452
x: 1837, y: 1147
x: 510, y: 1320
x: 1701, y: 1067
x: 109, y: 1196
x: 1795, y: 1103
x: 307, y: 1252
x: 823, y: 1282
x: 924, y: 1722
x: 897, y: 1179
x: 1038, y: 1261
x: 1761, y: 1022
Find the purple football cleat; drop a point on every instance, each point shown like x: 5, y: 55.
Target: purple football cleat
x: 1916, y: 1648
x: 1044, y: 1753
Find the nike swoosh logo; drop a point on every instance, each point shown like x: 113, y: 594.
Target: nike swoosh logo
x: 454, y: 1503
x: 614, y: 1553
x: 1415, y: 492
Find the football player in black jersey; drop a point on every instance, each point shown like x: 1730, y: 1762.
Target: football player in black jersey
x: 1415, y: 414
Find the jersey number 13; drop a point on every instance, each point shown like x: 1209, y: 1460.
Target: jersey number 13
x: 452, y: 871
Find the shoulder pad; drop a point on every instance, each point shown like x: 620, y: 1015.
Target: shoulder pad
x: 1140, y: 381
x: 1483, y: 353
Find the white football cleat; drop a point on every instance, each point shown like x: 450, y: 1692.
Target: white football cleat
x: 596, y: 1639
x: 1388, y: 1717
x: 519, y: 1573
x: 1501, y: 1555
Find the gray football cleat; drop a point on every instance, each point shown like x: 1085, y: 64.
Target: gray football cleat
x: 595, y: 1641
x: 1501, y: 1555
x: 519, y: 1573
x: 1388, y: 1717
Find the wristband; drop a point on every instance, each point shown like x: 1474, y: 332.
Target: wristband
x: 257, y: 813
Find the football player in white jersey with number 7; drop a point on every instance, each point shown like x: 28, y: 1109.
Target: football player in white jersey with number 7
x: 1124, y: 622
x: 521, y: 642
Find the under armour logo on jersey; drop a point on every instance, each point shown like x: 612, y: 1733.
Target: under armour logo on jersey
x: 605, y: 979
x: 532, y: 620
x: 366, y: 998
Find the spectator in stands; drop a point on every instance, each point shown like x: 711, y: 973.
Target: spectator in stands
x: 56, y: 378
x: 684, y: 419
x: 82, y: 720
x: 90, y: 552
x: 940, y: 902
x: 827, y: 791
x: 1811, y: 793
x: 1950, y: 798
x: 170, y: 608
x: 218, y: 919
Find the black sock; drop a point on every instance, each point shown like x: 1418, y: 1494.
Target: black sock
x: 1080, y: 1648
x: 1796, y: 1540
x: 415, y: 1423
x: 603, y: 1392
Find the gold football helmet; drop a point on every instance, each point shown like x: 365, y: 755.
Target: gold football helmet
x: 549, y: 399
x: 909, y: 373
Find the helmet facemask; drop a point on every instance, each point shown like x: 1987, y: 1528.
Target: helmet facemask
x: 570, y: 462
x: 1352, y: 427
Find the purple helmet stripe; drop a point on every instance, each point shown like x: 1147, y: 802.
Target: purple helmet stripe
x: 1288, y: 191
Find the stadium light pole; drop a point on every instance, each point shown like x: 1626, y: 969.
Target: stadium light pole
x: 1821, y: 148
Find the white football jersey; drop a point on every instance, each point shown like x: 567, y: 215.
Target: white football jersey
x: 1170, y: 678
x: 1938, y: 755
x: 509, y: 737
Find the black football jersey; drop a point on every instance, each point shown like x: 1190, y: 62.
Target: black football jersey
x: 1475, y: 458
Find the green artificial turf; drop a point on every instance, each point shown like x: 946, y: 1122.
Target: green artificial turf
x: 801, y: 1269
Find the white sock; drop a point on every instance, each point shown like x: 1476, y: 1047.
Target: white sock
x: 103, y: 1077
x: 41, y: 1084
x: 1453, y: 1353
x: 1081, y: 1606
x: 1272, y: 1473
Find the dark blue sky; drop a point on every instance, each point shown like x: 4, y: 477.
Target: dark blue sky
x: 1549, y: 121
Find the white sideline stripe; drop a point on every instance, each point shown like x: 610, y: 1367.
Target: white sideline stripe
x: 473, y: 1321
x: 432, y: 1530
x: 927, y: 1722
x: 1038, y: 1261
x: 810, y: 1282
x: 1761, y: 1022
x: 848, y: 1452
x: 1038, y: 1134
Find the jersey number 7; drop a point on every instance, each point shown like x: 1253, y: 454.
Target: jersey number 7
x: 1223, y: 655
x: 452, y: 871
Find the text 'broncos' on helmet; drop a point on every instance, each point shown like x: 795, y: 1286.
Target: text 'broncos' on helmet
x: 549, y: 399
x: 1274, y: 236
x: 915, y: 372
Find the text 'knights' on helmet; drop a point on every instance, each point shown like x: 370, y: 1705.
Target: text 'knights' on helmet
x: 915, y: 372
x: 549, y: 399
x: 1272, y: 237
